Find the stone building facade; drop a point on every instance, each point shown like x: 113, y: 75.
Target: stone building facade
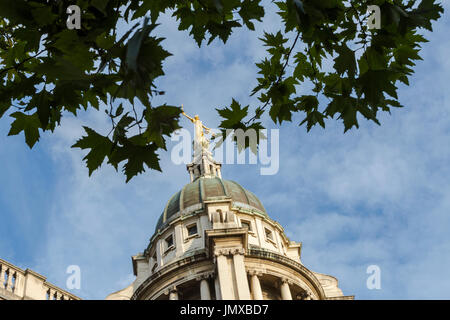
x: 19, y: 284
x: 215, y: 240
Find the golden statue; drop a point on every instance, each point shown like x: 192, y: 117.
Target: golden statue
x: 199, y: 136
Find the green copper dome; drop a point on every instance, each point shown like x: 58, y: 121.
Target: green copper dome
x: 190, y: 199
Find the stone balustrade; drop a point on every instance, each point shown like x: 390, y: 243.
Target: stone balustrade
x: 18, y: 284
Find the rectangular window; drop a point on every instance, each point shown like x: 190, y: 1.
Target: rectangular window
x: 169, y: 242
x: 246, y: 224
x: 269, y: 234
x: 192, y: 230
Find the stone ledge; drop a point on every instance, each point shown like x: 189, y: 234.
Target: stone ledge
x: 276, y: 257
x: 195, y: 256
x: 7, y: 295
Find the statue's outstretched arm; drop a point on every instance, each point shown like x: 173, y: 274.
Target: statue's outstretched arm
x: 183, y: 113
x: 188, y: 117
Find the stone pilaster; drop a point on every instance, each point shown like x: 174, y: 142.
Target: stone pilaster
x: 240, y: 275
x: 285, y: 290
x: 224, y: 275
x: 173, y: 293
x: 255, y: 285
x: 205, y: 292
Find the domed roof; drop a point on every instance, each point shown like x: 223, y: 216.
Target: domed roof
x: 191, y: 198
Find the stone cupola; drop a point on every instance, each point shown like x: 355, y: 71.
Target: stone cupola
x: 215, y: 240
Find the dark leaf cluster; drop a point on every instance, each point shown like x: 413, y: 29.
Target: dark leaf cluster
x: 48, y: 70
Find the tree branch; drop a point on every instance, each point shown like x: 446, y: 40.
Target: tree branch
x: 17, y: 65
x: 279, y: 78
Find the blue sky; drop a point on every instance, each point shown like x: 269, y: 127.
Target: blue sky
x: 376, y: 195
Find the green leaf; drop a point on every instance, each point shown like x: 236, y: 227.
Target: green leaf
x: 29, y: 124
x: 162, y: 121
x: 349, y: 117
x: 31, y: 37
x: 218, y: 5
x: 309, y: 104
x: 251, y: 10
x: 121, y: 128
x: 137, y: 157
x: 105, y: 41
x: 100, y: 147
x: 135, y: 43
x: 299, y: 6
x: 119, y: 110
x: 374, y: 83
x: 43, y: 15
x: 232, y: 115
x: 376, y: 59
x: 345, y: 61
x: 100, y: 5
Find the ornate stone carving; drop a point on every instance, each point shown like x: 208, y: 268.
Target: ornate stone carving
x: 222, y: 252
x: 238, y: 251
x: 206, y: 276
x: 229, y: 251
x: 286, y: 280
x: 254, y: 272
x: 304, y: 296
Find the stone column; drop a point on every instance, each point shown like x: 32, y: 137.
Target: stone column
x: 217, y: 289
x: 285, y: 290
x: 2, y: 276
x: 255, y: 286
x: 173, y: 294
x: 18, y: 285
x: 10, y: 280
x: 50, y: 294
x: 204, y: 290
x: 224, y: 275
x: 308, y: 296
x: 240, y: 274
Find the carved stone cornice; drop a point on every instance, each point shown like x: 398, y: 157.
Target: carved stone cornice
x: 222, y: 252
x: 255, y: 272
x: 171, y: 289
x: 305, y: 295
x: 286, y: 280
x: 228, y: 251
x: 205, y: 276
x: 237, y: 251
